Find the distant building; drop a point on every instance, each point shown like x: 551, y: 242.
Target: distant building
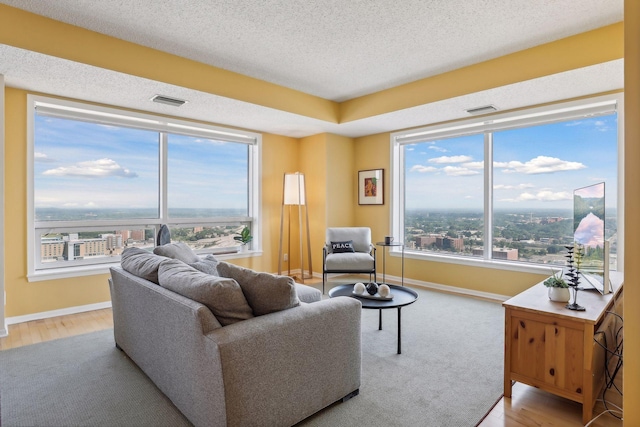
x: 499, y: 253
x: 52, y: 248
x: 82, y: 248
x: 426, y: 241
x: 440, y: 242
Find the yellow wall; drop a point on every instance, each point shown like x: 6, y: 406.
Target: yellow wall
x: 279, y: 154
x: 631, y: 370
x: 327, y: 161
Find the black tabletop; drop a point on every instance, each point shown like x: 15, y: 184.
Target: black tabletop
x: 401, y: 296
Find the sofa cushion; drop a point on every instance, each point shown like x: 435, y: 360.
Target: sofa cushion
x: 350, y: 261
x: 141, y: 263
x: 177, y: 250
x: 208, y: 264
x: 266, y: 293
x: 221, y: 295
x: 341, y: 247
x: 308, y: 294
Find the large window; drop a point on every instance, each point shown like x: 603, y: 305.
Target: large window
x: 103, y: 180
x: 500, y: 191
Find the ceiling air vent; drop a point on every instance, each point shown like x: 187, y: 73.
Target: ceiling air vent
x: 482, y: 110
x: 169, y: 101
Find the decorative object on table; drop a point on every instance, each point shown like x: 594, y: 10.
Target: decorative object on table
x: 384, y: 291
x: 244, y: 237
x: 372, y: 291
x: 573, y: 273
x: 294, y: 194
x: 558, y: 288
x: 372, y: 288
x: 370, y: 187
x: 388, y: 240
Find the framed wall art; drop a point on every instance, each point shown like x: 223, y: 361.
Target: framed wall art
x: 371, y: 187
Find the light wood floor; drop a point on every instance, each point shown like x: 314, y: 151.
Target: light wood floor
x: 53, y: 328
x: 528, y: 406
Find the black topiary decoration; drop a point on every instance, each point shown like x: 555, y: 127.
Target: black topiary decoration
x: 573, y: 274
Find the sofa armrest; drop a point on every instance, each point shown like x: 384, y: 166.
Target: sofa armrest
x: 282, y: 367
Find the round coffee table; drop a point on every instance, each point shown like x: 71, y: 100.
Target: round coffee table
x: 401, y: 297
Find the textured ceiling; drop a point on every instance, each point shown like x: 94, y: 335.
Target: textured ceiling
x: 334, y: 49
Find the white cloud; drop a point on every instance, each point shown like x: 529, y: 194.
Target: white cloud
x: 451, y: 159
x: 541, y: 196
x: 541, y: 164
x: 437, y: 148
x: 42, y: 158
x: 474, y: 165
x: 423, y: 169
x: 512, y: 187
x: 459, y: 171
x: 101, y: 168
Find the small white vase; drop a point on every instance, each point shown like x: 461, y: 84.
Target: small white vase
x: 559, y: 294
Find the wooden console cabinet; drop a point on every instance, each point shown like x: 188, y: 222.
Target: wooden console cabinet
x: 551, y: 347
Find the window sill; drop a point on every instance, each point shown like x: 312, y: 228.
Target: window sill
x: 94, y: 270
x: 521, y: 267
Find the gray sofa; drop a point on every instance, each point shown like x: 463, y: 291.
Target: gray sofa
x: 269, y: 370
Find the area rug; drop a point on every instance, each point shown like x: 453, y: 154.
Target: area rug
x: 449, y: 374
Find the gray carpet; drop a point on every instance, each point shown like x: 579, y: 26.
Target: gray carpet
x: 450, y: 374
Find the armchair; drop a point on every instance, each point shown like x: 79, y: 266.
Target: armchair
x: 348, y: 250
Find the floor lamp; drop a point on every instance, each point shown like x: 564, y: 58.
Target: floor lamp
x: 294, y: 194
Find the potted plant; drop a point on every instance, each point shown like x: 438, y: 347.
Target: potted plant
x: 558, y: 288
x: 244, y: 237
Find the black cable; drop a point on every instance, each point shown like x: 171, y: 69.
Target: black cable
x: 609, y: 354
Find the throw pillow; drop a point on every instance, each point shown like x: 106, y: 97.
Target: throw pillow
x: 266, y: 293
x: 221, y: 295
x: 178, y: 250
x: 141, y: 263
x: 207, y: 265
x: 340, y: 247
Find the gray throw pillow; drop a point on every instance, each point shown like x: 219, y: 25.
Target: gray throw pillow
x: 178, y: 250
x: 207, y: 265
x: 266, y: 293
x: 141, y: 263
x: 221, y: 295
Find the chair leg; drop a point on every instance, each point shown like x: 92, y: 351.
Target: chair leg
x: 324, y: 277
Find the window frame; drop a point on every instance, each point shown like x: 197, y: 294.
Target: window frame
x: 557, y: 112
x: 164, y: 126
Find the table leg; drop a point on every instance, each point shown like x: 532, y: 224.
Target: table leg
x: 380, y: 319
x: 399, y: 332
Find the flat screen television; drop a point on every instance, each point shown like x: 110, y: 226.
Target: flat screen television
x: 588, y: 231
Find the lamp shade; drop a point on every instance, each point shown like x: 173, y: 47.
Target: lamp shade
x: 294, y: 189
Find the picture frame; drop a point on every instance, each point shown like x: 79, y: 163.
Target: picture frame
x: 371, y: 187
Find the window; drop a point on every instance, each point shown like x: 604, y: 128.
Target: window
x: 499, y: 191
x: 103, y: 180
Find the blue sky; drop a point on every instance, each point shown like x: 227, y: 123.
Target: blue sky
x: 87, y: 165
x: 535, y: 167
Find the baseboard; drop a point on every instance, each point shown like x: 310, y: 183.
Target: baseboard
x: 4, y: 331
x: 55, y: 313
x: 456, y: 290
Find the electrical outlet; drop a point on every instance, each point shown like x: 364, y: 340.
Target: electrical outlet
x: 286, y: 257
